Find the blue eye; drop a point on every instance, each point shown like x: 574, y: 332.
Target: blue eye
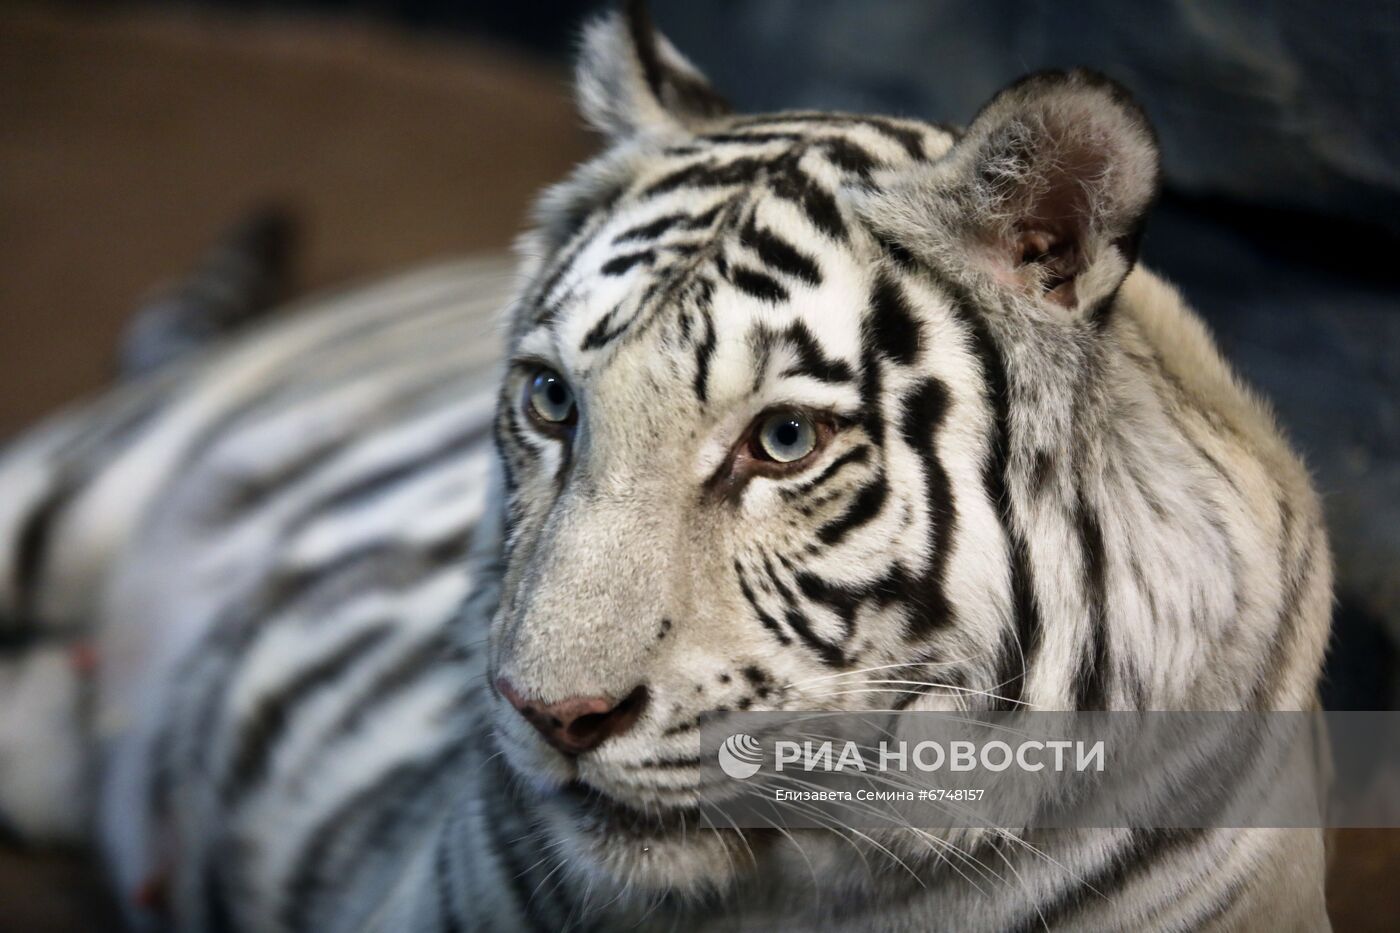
x: 551, y: 399
x: 786, y: 437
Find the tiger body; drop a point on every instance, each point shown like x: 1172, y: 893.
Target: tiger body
x: 311, y: 558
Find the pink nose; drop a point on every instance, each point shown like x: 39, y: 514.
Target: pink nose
x: 577, y: 724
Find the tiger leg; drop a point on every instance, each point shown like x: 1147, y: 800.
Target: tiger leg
x: 44, y: 788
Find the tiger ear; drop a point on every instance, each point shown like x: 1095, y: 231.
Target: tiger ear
x: 1045, y: 193
x: 631, y: 81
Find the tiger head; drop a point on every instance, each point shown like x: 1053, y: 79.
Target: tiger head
x: 758, y: 436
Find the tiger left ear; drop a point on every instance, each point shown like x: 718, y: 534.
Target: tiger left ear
x: 631, y: 81
x: 1045, y: 194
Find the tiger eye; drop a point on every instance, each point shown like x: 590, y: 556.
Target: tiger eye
x: 786, y: 437
x: 551, y: 400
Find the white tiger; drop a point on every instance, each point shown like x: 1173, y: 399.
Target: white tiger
x: 799, y: 411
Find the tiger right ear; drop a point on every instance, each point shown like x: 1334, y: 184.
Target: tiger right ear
x: 1043, y: 196
x: 631, y: 81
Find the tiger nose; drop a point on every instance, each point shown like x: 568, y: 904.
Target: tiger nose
x: 577, y: 724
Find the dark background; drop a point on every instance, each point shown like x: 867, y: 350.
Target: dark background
x: 404, y: 131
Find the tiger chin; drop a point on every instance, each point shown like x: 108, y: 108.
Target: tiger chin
x: 800, y: 411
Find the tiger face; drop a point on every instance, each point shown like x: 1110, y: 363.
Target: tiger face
x: 754, y: 432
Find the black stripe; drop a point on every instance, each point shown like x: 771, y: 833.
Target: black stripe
x: 599, y: 335
x: 893, y: 329
x: 450, y: 922
x: 1023, y: 641
x: 909, y: 138
x: 786, y: 116
x: 912, y: 140
x: 31, y: 550
x: 72, y: 465
x: 858, y: 454
x: 844, y: 600
x: 924, y: 595
x: 1019, y: 656
x: 767, y: 620
x: 207, y: 676
x: 1225, y: 901
x: 705, y: 220
x: 1140, y: 849
x: 1091, y: 680
x: 214, y: 899
x: 1042, y: 472
x: 505, y: 429
x: 811, y: 361
x: 785, y: 178
x: 1210, y: 779
x: 869, y: 500
x: 848, y: 156
x: 704, y: 352
x: 651, y: 229
x: 250, y: 492
x: 1296, y: 581
x: 428, y: 656
x: 897, y: 252
x: 381, y: 565
x: 379, y: 809
x: 387, y: 478
x: 516, y: 874
x: 781, y: 255
x: 691, y: 175
x: 263, y: 726
x: 703, y: 175
x: 581, y: 216
x: 797, y: 620
x: 952, y: 679
x: 208, y: 673
x: 791, y: 183
x: 750, y: 139
x: 758, y: 284
x: 924, y: 412
x: 689, y: 761
x: 831, y: 655
x: 689, y: 725
x: 620, y: 264
x: 871, y: 383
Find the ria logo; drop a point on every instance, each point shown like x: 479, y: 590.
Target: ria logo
x: 740, y: 756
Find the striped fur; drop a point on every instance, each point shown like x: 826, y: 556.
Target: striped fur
x: 305, y: 567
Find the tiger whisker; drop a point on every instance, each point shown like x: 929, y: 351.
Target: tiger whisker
x: 1049, y: 859
x: 940, y: 848
x: 1024, y: 887
x: 882, y: 667
x: 819, y: 817
x: 900, y: 862
x: 964, y: 691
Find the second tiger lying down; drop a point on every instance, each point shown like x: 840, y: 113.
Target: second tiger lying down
x: 798, y: 411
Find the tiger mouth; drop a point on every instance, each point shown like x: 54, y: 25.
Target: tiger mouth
x: 604, y: 813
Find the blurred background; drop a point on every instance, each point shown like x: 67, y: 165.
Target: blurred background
x: 407, y: 130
